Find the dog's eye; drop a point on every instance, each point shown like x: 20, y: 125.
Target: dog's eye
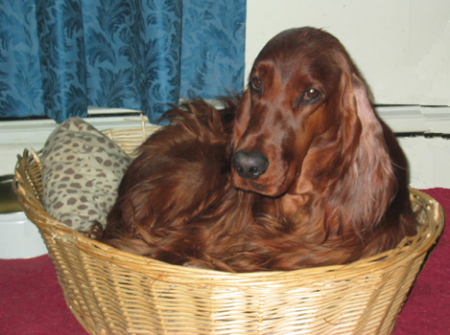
x: 256, y: 84
x: 311, y: 94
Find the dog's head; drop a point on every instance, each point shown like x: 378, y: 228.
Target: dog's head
x: 299, y: 95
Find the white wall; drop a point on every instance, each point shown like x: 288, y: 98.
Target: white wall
x: 402, y: 47
x: 429, y: 161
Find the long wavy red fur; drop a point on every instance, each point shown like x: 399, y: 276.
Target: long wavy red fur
x: 335, y: 189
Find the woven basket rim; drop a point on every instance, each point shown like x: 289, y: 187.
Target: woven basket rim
x: 409, y: 248
x: 115, y: 256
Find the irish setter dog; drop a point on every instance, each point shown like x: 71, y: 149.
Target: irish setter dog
x: 300, y: 172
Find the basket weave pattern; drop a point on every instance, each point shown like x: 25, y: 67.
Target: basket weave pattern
x: 114, y: 292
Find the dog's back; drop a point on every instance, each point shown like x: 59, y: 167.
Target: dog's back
x: 175, y: 202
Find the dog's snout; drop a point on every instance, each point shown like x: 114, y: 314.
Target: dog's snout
x: 250, y: 164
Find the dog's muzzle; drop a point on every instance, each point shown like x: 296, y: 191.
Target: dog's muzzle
x: 250, y: 165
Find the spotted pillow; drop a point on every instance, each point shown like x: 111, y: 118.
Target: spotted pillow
x: 81, y: 170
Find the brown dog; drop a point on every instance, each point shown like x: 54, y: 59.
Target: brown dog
x: 305, y: 174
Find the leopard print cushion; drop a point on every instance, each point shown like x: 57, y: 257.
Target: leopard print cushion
x: 81, y: 171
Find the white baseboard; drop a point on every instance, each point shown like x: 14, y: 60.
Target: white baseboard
x: 428, y: 157
x: 416, y: 119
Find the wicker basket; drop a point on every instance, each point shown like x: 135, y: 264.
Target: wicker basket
x: 114, y: 292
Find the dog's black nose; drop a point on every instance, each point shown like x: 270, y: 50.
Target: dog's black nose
x: 250, y: 164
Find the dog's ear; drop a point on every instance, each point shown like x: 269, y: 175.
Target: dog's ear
x: 364, y: 107
x: 351, y: 123
x: 369, y: 176
x: 242, y: 117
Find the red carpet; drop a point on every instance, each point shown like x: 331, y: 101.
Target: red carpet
x: 32, y: 303
x: 427, y: 309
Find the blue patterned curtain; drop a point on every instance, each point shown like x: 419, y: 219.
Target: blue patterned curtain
x: 57, y: 57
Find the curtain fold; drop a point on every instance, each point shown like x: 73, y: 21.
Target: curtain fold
x: 57, y: 57
x: 213, y: 46
x: 62, y: 58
